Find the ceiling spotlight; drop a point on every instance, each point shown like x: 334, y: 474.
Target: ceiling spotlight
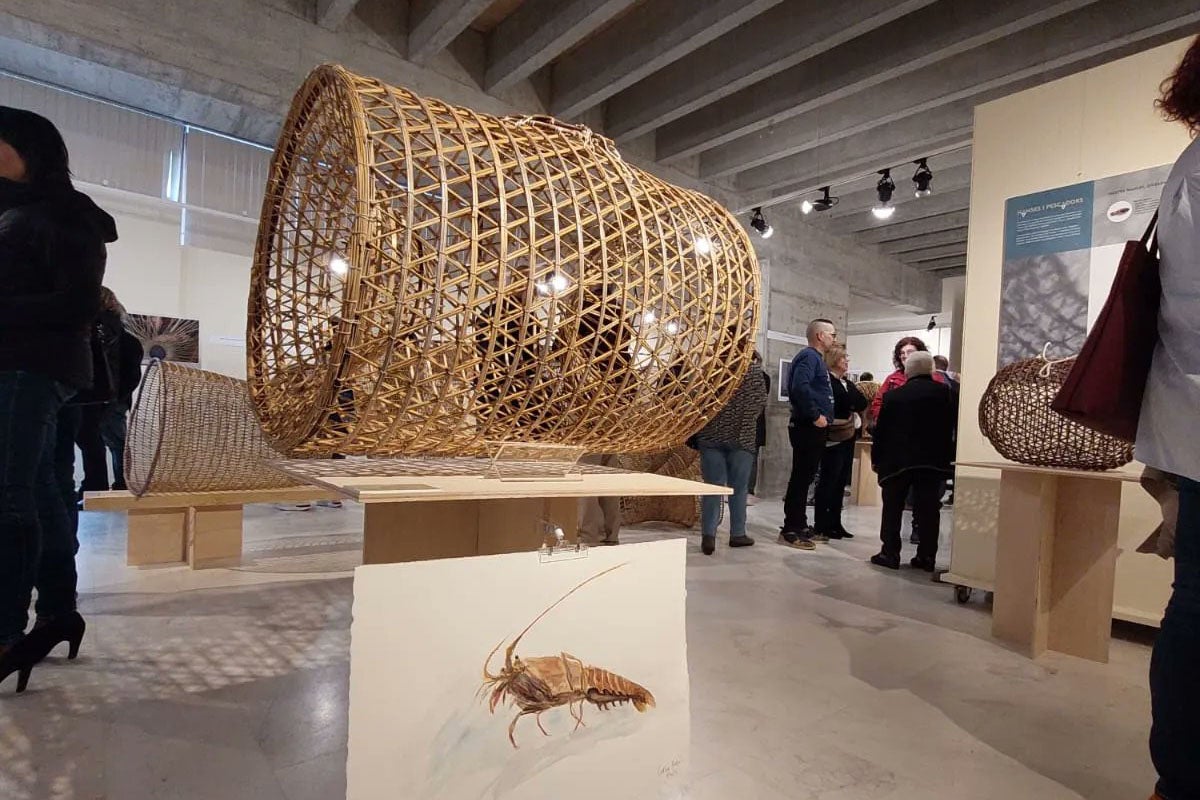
x: 339, y: 266
x: 703, y: 245
x: 822, y: 203
x: 932, y: 324
x: 885, y: 188
x: 760, y: 224
x: 923, y: 178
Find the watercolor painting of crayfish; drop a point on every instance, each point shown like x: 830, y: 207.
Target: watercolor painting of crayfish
x: 537, y: 684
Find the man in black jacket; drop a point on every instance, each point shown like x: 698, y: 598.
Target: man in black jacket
x: 914, y: 449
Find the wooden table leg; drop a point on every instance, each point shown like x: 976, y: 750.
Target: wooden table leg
x: 156, y: 536
x: 214, y: 536
x: 1056, y: 556
x: 866, y: 488
x: 396, y: 532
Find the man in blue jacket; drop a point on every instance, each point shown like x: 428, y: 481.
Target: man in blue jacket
x: 812, y: 410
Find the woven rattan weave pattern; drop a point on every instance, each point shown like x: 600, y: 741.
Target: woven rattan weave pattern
x: 427, y: 279
x: 1016, y: 417
x: 195, y: 431
x: 680, y: 462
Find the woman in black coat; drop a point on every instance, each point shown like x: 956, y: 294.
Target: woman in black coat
x: 52, y: 257
x: 837, y: 463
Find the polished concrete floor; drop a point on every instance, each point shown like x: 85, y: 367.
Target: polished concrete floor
x: 814, y: 676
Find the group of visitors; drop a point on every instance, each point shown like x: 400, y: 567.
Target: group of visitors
x: 911, y: 417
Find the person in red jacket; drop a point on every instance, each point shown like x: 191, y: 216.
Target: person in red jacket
x: 904, y: 348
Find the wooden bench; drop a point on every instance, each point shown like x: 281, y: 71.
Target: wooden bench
x: 202, y: 528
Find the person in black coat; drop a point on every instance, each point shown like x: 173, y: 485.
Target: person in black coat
x: 760, y: 438
x: 52, y: 258
x: 837, y: 462
x: 914, y: 449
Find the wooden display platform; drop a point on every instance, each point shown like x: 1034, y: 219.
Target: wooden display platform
x: 420, y: 509
x: 864, y: 489
x: 1056, y: 557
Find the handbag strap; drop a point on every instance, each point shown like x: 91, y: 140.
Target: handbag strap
x: 1150, y: 237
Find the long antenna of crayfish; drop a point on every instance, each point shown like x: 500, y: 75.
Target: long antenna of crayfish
x: 513, y: 646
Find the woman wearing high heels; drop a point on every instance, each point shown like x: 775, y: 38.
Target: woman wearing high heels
x: 52, y: 256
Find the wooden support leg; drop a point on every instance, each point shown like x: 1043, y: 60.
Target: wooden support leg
x: 396, y: 532
x: 866, y: 485
x: 214, y: 536
x: 1056, y: 556
x: 156, y: 536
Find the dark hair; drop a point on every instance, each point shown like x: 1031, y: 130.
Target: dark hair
x: 39, y: 144
x: 941, y: 362
x: 866, y: 377
x: 1180, y: 99
x: 903, y: 343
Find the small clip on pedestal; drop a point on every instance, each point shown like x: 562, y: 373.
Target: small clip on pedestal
x: 555, y: 546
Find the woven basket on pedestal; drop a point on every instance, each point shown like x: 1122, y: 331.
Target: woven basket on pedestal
x: 428, y: 279
x: 195, y: 431
x: 1016, y: 417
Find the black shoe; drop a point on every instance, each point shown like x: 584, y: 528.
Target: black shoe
x: 741, y: 541
x: 24, y: 655
x: 68, y: 628
x: 927, y: 564
x: 840, y: 533
x: 708, y: 544
x: 880, y: 560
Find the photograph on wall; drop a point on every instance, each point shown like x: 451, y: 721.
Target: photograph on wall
x: 167, y: 338
x: 1061, y: 251
x: 512, y: 677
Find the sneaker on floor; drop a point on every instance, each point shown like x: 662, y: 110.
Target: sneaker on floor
x: 329, y: 503
x: 881, y: 560
x: 741, y: 541
x: 927, y: 564
x: 708, y: 544
x: 293, y: 506
x: 797, y: 541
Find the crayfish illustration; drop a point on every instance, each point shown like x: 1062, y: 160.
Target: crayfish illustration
x: 538, y: 684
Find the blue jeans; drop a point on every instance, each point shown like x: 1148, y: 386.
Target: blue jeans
x: 725, y: 466
x: 1174, y: 682
x: 37, y: 544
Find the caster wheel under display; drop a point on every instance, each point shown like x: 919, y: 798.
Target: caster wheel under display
x: 962, y: 593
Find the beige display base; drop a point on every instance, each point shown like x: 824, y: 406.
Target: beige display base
x: 1056, y: 558
x: 202, y: 528
x: 864, y: 485
x: 414, y: 514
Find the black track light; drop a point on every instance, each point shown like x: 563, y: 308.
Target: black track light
x: 760, y: 224
x: 932, y: 324
x: 923, y: 178
x: 822, y: 203
x: 885, y: 189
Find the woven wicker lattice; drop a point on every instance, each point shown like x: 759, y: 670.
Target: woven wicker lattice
x: 192, y: 430
x: 680, y: 462
x: 1016, y: 417
x: 428, y: 279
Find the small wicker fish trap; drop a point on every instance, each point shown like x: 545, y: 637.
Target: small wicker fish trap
x: 680, y: 462
x: 195, y: 431
x: 428, y: 279
x: 1016, y: 417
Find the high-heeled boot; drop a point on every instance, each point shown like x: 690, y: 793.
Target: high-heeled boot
x: 67, y: 628
x: 23, y: 655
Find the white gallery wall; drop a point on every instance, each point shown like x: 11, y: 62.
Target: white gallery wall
x: 872, y: 352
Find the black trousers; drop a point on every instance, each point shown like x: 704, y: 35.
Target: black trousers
x: 808, y: 445
x: 837, y: 462
x: 926, y: 487
x: 91, y: 447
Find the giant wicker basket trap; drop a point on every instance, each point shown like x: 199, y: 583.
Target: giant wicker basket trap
x: 1016, y: 417
x: 428, y: 279
x: 195, y: 431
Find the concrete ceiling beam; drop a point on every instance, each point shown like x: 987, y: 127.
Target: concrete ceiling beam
x: 913, y: 228
x: 434, y: 24
x: 933, y: 206
x: 647, y: 39
x: 540, y: 31
x: 927, y: 254
x: 902, y: 247
x: 936, y: 265
x: 858, y: 156
x: 786, y: 35
x: 915, y: 41
x: 332, y: 13
x: 1086, y: 38
x: 948, y: 272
